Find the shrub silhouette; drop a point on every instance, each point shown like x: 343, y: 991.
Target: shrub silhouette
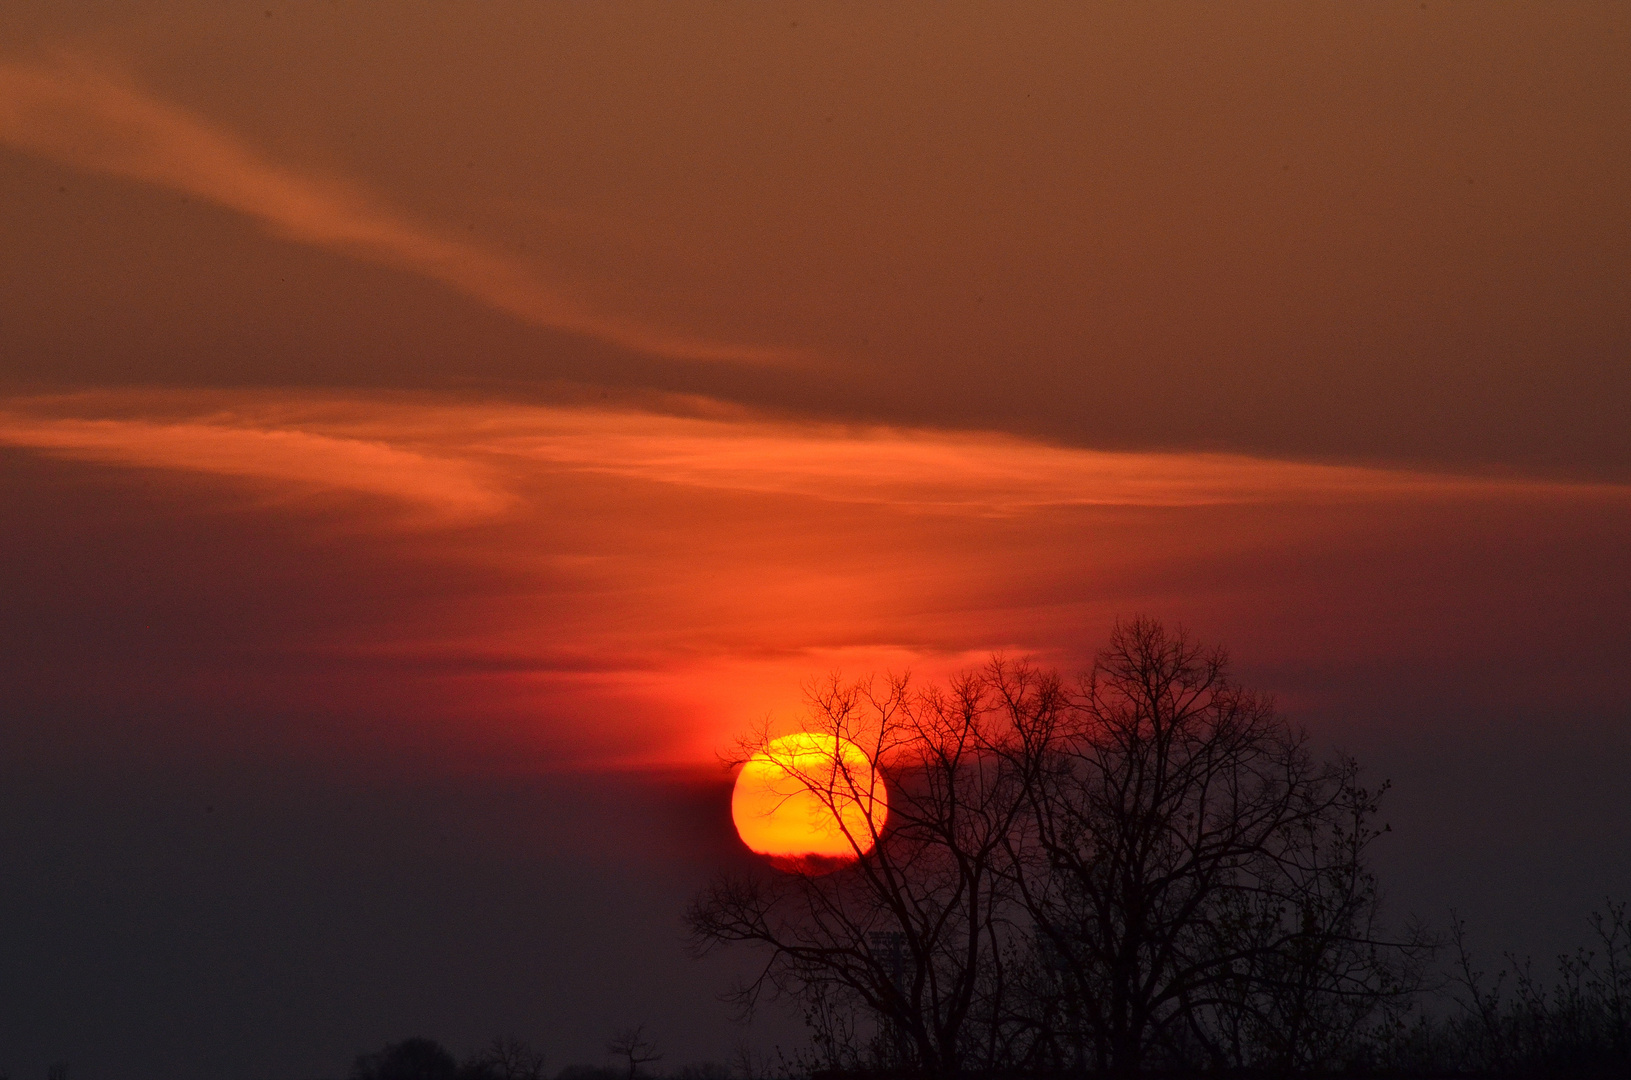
x: 410, y: 1059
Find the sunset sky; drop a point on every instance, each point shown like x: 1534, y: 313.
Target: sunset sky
x: 430, y: 433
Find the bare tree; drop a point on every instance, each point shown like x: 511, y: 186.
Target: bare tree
x: 635, y: 1046
x: 1194, y: 875
x: 506, y: 1058
x: 1516, y: 1023
x: 1149, y: 863
x: 913, y: 932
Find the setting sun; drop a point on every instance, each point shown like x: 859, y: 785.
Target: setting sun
x: 809, y: 801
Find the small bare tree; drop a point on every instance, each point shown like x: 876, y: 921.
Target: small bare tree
x: 913, y: 932
x: 506, y: 1058
x: 1579, y: 1024
x: 634, y: 1046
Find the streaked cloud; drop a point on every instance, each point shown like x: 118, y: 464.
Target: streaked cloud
x: 450, y: 489
x: 77, y: 115
x: 979, y: 472
x: 473, y: 459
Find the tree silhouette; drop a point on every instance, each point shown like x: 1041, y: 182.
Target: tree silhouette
x: 505, y: 1058
x: 1196, y: 877
x: 410, y: 1059
x: 633, y: 1045
x: 917, y: 930
x: 1515, y: 1024
x: 1149, y: 863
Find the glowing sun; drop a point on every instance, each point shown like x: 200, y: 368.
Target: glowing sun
x: 809, y: 802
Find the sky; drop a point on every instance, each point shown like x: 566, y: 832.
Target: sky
x: 429, y: 434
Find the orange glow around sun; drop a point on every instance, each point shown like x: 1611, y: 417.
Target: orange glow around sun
x: 809, y: 802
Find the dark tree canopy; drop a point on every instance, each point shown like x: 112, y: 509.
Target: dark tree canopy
x: 1143, y: 866
x: 505, y: 1058
x: 410, y: 1059
x: 1195, y: 875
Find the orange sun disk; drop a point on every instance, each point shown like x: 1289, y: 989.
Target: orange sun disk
x: 809, y: 802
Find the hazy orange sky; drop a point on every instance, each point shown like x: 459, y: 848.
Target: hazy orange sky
x: 435, y: 420
x: 597, y: 585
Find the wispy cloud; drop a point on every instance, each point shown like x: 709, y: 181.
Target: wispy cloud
x: 978, y: 472
x: 448, y: 489
x: 78, y: 116
x: 470, y: 459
